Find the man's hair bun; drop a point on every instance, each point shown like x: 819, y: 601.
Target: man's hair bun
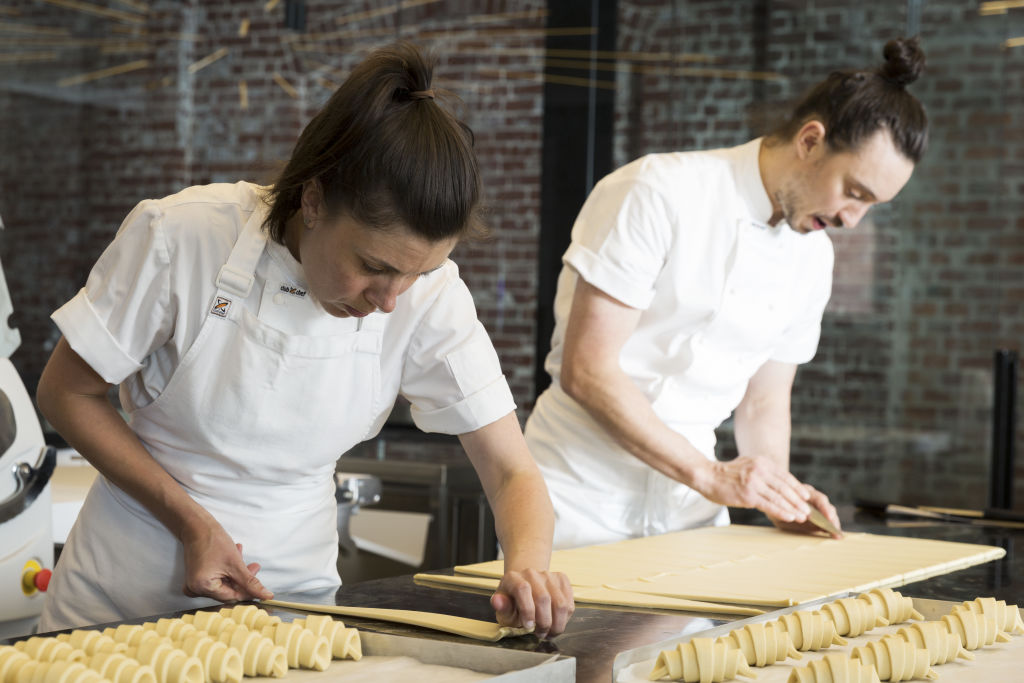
x: 904, y: 61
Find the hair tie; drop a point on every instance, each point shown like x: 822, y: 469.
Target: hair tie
x: 422, y: 95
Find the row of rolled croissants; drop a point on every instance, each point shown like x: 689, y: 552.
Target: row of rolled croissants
x: 205, y: 647
x: 907, y: 654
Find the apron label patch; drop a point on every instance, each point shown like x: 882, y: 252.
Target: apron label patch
x: 294, y: 291
x: 221, y: 307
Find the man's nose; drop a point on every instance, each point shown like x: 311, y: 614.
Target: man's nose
x: 852, y: 215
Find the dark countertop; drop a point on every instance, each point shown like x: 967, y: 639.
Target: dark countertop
x: 596, y: 635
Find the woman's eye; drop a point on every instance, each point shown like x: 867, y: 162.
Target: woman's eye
x: 371, y: 270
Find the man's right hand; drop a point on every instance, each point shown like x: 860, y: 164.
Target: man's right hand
x: 755, y: 482
x: 214, y: 568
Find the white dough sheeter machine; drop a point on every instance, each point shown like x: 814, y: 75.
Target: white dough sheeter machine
x: 26, y: 465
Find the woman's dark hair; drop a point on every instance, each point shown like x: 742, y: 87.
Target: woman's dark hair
x: 386, y: 152
x: 853, y: 105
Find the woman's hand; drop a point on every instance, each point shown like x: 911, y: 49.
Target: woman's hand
x: 540, y: 600
x: 214, y: 567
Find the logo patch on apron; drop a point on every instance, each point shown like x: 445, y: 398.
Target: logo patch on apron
x: 221, y: 307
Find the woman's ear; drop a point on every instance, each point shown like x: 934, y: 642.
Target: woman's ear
x: 313, y: 208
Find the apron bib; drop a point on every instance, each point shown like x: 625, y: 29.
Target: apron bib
x: 251, y: 425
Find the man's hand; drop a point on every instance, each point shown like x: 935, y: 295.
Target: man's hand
x: 540, y: 600
x: 821, y: 502
x: 756, y: 482
x: 214, y: 568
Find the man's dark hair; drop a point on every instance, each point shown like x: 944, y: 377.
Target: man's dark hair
x: 853, y: 105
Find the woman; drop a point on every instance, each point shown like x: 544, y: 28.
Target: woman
x: 257, y: 334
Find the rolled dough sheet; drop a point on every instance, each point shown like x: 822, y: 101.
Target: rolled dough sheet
x: 470, y: 628
x: 601, y: 596
x: 750, y: 565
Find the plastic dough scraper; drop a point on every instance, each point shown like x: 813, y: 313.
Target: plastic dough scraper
x: 821, y: 521
x: 470, y: 628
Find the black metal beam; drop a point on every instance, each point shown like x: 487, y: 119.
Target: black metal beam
x: 577, y: 148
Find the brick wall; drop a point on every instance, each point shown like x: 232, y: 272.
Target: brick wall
x: 897, y: 402
x: 74, y: 160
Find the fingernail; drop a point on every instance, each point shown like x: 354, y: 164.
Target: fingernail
x: 530, y: 625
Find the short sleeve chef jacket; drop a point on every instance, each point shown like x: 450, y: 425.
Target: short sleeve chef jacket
x: 683, y: 237
x: 147, y: 296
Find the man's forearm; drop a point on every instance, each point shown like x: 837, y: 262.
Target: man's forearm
x: 614, y: 401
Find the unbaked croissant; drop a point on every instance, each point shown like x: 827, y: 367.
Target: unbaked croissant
x: 701, y: 660
x: 11, y: 660
x: 90, y: 642
x: 973, y: 630
x: 345, y: 643
x: 303, y: 647
x: 834, y: 668
x: 895, y: 659
x: 935, y: 637
x: 260, y: 656
x: 1007, y: 617
x: 118, y: 668
x: 221, y: 664
x: 175, y: 629
x: 762, y: 644
x: 891, y: 605
x: 251, y: 616
x: 131, y: 635
x: 169, y: 664
x: 49, y: 650
x: 810, y: 630
x: 62, y: 671
x: 852, y: 617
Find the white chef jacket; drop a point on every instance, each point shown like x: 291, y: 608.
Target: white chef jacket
x: 146, y: 298
x: 683, y: 237
x: 153, y: 317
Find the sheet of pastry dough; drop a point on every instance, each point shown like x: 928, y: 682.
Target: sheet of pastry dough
x: 749, y: 565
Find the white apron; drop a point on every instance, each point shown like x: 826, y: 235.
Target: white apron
x: 600, y: 492
x: 251, y: 425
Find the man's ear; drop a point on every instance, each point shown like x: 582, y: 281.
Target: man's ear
x: 810, y: 138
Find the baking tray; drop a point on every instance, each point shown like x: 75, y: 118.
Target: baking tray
x: 997, y: 662
x: 494, y: 664
x: 498, y: 664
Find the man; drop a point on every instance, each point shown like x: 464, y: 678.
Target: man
x: 694, y: 285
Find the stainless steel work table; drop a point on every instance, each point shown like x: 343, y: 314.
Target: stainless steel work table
x: 596, y: 635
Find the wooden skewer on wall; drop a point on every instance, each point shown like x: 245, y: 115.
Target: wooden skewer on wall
x: 285, y: 85
x: 97, y: 10
x: 1014, y: 42
x: 998, y: 7
x: 15, y: 27
x: 243, y: 94
x: 243, y: 28
x: 24, y: 57
x: 507, y: 16
x: 135, y: 5
x: 271, y: 4
x: 103, y: 73
x: 207, y: 60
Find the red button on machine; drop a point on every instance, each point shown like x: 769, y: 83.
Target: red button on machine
x: 34, y: 578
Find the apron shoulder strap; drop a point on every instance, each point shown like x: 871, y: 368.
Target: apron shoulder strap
x: 238, y: 274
